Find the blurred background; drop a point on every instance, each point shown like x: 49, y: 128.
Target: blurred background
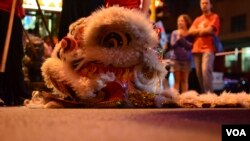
x: 232, y: 67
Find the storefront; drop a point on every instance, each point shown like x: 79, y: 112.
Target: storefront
x: 38, y: 22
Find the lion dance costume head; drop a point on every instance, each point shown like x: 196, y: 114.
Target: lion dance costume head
x: 108, y: 60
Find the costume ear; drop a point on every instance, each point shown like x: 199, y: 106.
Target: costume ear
x: 76, y: 29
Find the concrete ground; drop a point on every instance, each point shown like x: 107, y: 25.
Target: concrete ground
x: 174, y: 124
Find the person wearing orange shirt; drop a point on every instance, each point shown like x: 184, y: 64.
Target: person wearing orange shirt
x: 203, y: 29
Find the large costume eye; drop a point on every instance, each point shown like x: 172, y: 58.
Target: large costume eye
x: 115, y: 39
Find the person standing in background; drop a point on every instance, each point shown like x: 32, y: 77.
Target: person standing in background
x: 180, y: 53
x: 47, y: 47
x: 72, y: 10
x: 12, y: 86
x: 142, y: 5
x: 203, y: 29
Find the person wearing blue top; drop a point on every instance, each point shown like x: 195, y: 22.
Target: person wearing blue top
x: 180, y: 53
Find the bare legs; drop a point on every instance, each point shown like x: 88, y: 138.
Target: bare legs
x: 181, y: 80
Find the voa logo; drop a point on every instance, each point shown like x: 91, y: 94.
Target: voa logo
x: 236, y: 132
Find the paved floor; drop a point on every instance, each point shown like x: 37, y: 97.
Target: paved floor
x: 23, y: 124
